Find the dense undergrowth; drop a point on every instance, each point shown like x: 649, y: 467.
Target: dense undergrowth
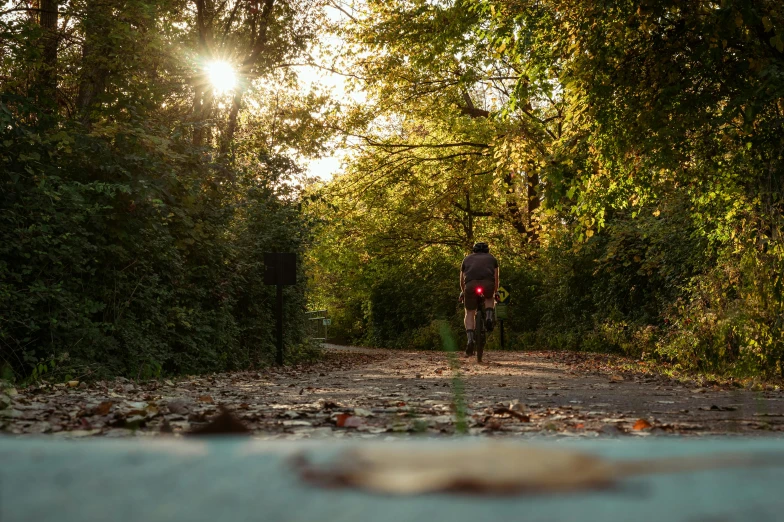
x: 119, y: 256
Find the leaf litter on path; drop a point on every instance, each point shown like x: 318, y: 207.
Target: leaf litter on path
x: 379, y: 391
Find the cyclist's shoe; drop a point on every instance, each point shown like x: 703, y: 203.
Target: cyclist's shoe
x: 470, y: 344
x: 489, y: 320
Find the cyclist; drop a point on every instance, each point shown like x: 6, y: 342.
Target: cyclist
x: 479, y: 270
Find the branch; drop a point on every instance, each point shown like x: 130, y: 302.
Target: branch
x: 261, y: 41
x: 324, y: 67
x: 474, y: 213
x: 230, y: 21
x: 16, y: 9
x: 337, y: 6
x: 408, y: 146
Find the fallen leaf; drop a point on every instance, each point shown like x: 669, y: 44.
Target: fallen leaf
x: 207, y: 399
x: 135, y: 422
x: 10, y: 413
x: 340, y: 420
x: 223, y: 424
x: 73, y: 384
x: 616, y: 378
x: 494, y: 468
x: 641, y: 424
x: 179, y: 406
x: 103, y: 408
x: 494, y: 425
x: 519, y: 416
x: 515, y: 405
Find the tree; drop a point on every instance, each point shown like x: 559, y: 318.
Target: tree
x: 124, y: 247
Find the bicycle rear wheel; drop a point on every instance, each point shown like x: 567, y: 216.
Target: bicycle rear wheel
x: 480, y: 333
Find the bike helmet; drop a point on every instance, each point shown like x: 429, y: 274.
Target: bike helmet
x: 481, y: 248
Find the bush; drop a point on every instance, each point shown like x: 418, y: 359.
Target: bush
x: 117, y: 257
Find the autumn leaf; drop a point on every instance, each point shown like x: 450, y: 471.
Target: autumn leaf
x: 225, y: 423
x: 641, y: 424
x: 103, y: 408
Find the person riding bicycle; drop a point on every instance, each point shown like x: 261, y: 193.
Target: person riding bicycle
x: 478, y: 270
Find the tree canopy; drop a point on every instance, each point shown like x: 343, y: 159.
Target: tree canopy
x: 623, y: 159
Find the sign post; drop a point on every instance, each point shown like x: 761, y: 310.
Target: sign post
x: 280, y: 269
x: 500, y: 309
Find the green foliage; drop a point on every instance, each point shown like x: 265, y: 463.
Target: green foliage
x: 135, y: 202
x: 120, y: 271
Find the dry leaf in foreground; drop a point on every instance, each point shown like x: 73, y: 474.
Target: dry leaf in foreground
x: 641, y: 424
x: 225, y: 423
x: 496, y: 468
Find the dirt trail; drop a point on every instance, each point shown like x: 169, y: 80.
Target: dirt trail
x: 362, y: 392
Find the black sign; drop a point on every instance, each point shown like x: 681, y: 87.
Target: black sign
x: 280, y: 268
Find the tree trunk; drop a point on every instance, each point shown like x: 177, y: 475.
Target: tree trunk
x: 231, y: 128
x: 246, y: 72
x: 532, y: 203
x: 95, y: 71
x: 202, y: 103
x: 202, y: 111
x: 522, y: 219
x: 469, y: 229
x: 47, y: 82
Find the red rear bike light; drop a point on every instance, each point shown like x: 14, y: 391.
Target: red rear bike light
x: 479, y: 290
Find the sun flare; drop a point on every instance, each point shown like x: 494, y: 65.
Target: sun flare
x: 222, y: 76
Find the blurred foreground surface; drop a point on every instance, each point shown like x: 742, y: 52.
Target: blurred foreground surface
x: 237, y: 479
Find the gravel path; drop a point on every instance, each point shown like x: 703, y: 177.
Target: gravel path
x: 365, y: 392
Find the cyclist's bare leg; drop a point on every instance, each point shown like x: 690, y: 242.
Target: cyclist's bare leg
x: 470, y: 324
x: 470, y: 319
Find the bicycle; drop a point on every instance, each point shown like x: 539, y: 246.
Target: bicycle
x: 480, y: 330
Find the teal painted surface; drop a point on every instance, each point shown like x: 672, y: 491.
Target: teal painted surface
x: 243, y: 480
